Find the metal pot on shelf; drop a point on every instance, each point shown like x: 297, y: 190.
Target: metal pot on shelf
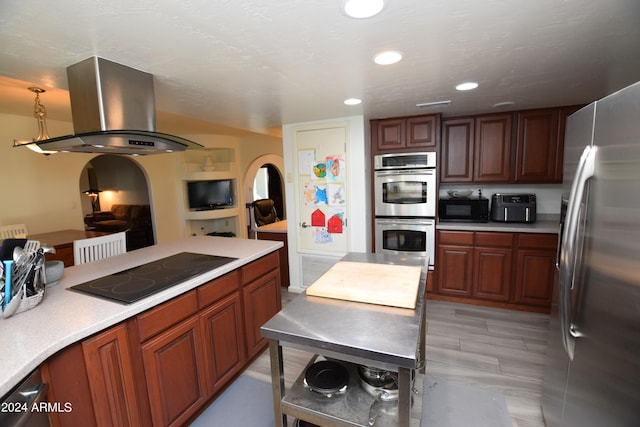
x: 383, y: 386
x: 327, y: 378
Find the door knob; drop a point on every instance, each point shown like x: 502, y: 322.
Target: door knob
x: 304, y: 225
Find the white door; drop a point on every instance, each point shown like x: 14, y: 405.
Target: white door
x: 320, y: 189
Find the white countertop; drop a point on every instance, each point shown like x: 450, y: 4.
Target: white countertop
x: 544, y: 224
x: 64, y: 317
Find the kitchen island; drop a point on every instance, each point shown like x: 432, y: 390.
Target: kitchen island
x: 65, y: 317
x: 385, y: 337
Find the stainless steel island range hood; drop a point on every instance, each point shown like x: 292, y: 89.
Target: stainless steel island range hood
x: 113, y: 111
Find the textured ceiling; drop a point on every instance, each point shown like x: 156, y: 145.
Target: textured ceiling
x: 256, y: 64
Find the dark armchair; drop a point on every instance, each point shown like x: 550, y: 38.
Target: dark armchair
x: 264, y: 212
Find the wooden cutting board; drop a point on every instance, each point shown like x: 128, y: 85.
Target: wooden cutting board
x: 383, y: 284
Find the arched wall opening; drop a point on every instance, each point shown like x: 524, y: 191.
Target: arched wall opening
x: 269, y: 171
x: 116, y: 197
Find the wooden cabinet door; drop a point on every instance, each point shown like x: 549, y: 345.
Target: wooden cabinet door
x: 390, y: 134
x: 261, y: 302
x: 492, y: 269
x: 422, y: 131
x: 107, y: 358
x: 223, y: 337
x: 534, y: 276
x: 456, y: 148
x: 175, y: 374
x: 455, y: 267
x: 492, y: 148
x: 537, y: 148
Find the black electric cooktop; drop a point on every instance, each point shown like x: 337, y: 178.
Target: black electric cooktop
x: 139, y: 282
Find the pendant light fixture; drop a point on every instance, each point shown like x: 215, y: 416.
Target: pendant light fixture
x: 40, y: 113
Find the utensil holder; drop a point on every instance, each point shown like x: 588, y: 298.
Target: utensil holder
x: 28, y: 302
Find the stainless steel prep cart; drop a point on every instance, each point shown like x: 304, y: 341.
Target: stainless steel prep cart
x: 356, y: 333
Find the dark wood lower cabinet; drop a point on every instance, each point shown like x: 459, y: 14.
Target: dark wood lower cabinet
x: 510, y: 270
x: 175, y: 373
x: 107, y: 357
x: 492, y: 265
x: 225, y: 352
x: 492, y: 273
x: 163, y: 366
x: 455, y: 266
x: 261, y: 301
x: 535, y: 269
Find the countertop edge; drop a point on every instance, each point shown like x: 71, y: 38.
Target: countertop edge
x: 545, y: 224
x: 92, y: 314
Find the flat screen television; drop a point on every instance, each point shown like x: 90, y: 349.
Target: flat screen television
x: 205, y: 195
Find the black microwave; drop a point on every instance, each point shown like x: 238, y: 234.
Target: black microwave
x: 473, y: 209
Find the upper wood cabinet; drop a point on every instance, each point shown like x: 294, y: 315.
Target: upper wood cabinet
x: 417, y: 133
x: 492, y: 148
x: 476, y: 149
x: 456, y: 150
x: 520, y: 147
x: 538, y: 146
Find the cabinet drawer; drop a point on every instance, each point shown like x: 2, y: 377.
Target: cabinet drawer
x: 218, y: 288
x: 158, y: 319
x: 503, y: 240
x: 455, y: 238
x: 542, y: 241
x: 259, y: 267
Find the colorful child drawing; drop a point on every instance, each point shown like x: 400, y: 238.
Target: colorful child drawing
x: 335, y: 168
x: 320, y: 170
x: 321, y: 195
x: 336, y: 194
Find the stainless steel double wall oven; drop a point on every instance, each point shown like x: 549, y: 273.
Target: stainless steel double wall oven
x: 405, y: 204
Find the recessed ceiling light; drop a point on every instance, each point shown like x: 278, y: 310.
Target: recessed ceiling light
x: 353, y: 101
x: 360, y: 9
x: 467, y: 86
x: 387, y: 58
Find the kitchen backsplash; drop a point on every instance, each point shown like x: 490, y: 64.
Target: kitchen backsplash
x: 548, y: 196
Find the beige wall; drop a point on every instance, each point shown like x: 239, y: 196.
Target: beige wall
x: 43, y: 191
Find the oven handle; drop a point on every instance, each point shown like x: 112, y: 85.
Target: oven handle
x: 406, y: 172
x: 390, y: 221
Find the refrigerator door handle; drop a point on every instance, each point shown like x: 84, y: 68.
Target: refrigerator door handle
x: 568, y: 253
x: 558, y: 249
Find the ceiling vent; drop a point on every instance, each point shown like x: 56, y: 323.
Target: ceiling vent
x: 436, y: 104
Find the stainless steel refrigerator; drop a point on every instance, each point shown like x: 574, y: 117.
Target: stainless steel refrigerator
x: 592, y: 365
